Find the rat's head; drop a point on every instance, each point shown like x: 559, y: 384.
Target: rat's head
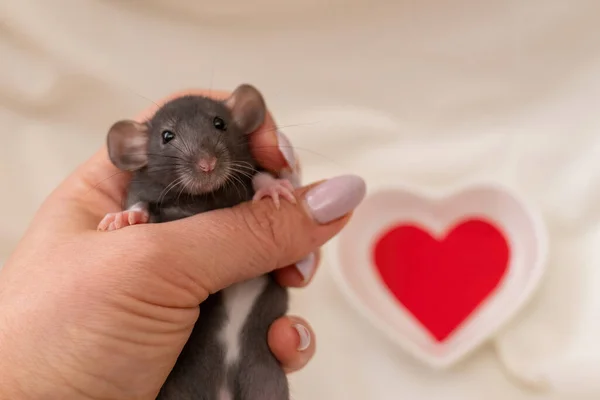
x: 194, y: 143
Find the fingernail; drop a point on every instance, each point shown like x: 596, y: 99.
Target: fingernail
x: 286, y: 149
x: 335, y: 198
x: 306, y: 266
x: 304, y: 336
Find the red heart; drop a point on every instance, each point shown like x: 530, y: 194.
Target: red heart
x: 441, y: 282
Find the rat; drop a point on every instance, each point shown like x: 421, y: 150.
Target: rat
x: 193, y: 156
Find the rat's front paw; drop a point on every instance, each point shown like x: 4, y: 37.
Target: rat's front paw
x: 275, y: 188
x: 122, y: 219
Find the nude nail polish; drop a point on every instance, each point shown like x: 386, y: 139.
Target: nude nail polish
x: 306, y: 266
x: 286, y: 149
x: 304, y: 335
x: 335, y: 197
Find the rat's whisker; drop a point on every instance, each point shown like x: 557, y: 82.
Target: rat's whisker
x: 179, y: 182
x: 229, y: 179
x: 167, y: 164
x: 266, y: 149
x: 243, y: 164
x: 160, y: 168
x: 212, y: 75
x: 164, y: 156
x: 280, y: 127
x: 170, y: 187
x: 212, y: 193
x: 181, y: 186
x: 235, y: 180
x: 186, y: 145
x: 184, y: 187
x: 226, y: 184
x: 107, y: 178
x: 165, y: 169
x: 154, y: 155
x: 166, y: 190
x: 241, y: 172
x: 240, y: 185
x: 220, y: 140
x: 142, y: 96
x: 248, y: 167
x: 172, y: 143
x: 245, y: 171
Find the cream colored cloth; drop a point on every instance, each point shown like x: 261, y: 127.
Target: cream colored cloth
x: 426, y: 92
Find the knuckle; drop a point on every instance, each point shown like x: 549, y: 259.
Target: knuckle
x: 156, y: 262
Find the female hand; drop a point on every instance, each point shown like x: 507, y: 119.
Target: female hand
x: 104, y: 315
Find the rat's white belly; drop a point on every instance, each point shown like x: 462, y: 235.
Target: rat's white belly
x: 238, y: 301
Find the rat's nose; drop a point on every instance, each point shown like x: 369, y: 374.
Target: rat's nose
x: 207, y: 164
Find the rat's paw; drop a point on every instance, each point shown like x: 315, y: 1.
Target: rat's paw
x: 276, y: 188
x: 122, y: 219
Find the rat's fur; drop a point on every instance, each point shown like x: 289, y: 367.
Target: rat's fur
x: 227, y: 356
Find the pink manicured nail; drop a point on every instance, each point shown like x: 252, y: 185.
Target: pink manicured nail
x: 286, y: 149
x: 335, y: 197
x: 306, y: 266
x: 304, y: 335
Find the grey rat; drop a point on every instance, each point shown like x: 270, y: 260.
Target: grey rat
x: 193, y: 156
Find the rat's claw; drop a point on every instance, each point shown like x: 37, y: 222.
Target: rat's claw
x: 289, y: 194
x: 288, y: 185
x: 118, y: 220
x: 275, y: 197
x: 267, y: 192
x: 106, y: 221
x: 278, y: 187
x: 122, y: 219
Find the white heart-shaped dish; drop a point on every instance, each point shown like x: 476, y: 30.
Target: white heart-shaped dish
x: 350, y: 257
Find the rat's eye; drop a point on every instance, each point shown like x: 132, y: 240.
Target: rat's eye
x: 167, y: 136
x: 219, y: 124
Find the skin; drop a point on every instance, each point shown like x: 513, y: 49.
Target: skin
x: 94, y: 315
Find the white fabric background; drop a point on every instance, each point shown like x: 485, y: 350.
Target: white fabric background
x: 426, y: 92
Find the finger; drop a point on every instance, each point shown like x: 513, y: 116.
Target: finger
x: 96, y: 188
x: 255, y: 238
x: 271, y: 147
x: 292, y: 342
x: 300, y: 274
x: 98, y: 173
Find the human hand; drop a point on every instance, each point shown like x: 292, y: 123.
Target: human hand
x: 96, y: 315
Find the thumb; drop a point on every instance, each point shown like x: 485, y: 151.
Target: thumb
x: 218, y: 248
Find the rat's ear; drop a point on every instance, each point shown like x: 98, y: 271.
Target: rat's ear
x: 128, y: 145
x: 247, y: 107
